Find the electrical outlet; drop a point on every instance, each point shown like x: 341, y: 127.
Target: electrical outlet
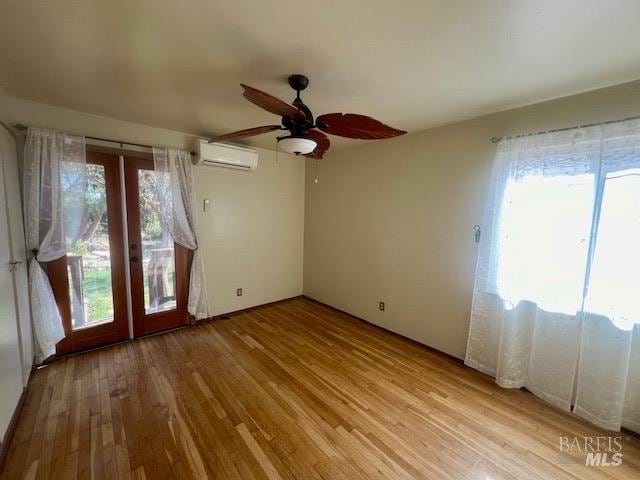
x: 381, y: 306
x: 239, y: 292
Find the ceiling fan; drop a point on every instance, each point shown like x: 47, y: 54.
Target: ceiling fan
x: 306, y: 135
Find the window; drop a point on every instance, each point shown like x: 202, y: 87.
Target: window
x: 614, y: 280
x: 563, y: 236
x: 545, y: 240
x: 556, y: 305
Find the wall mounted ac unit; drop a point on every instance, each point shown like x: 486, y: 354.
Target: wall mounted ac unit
x: 226, y: 156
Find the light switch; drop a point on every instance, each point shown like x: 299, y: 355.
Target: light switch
x: 205, y: 204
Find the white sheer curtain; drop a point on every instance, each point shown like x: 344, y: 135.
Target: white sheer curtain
x: 555, y: 305
x: 176, y: 195
x: 54, y: 201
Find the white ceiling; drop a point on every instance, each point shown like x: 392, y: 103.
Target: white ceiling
x: 410, y: 63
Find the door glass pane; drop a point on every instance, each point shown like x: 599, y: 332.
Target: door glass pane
x: 89, y: 261
x: 158, y: 256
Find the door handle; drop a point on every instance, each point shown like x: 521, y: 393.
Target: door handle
x: 13, y: 265
x: 134, y: 259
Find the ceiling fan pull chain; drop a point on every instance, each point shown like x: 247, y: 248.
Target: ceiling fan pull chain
x: 316, y: 180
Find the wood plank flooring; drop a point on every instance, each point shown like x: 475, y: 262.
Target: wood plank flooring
x: 290, y: 390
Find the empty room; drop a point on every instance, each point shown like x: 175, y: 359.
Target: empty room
x: 347, y: 240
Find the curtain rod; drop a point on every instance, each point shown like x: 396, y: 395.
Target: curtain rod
x: 497, y: 139
x: 23, y: 128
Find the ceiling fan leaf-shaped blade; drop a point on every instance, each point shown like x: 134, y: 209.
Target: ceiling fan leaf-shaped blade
x: 270, y: 103
x: 352, y: 125
x: 249, y: 132
x: 322, y: 142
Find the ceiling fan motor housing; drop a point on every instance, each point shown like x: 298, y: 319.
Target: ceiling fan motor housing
x: 299, y: 126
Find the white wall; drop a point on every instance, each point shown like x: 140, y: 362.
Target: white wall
x: 393, y: 220
x: 252, y: 237
x: 254, y: 231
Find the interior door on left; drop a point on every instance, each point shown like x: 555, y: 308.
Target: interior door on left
x: 89, y: 282
x: 10, y: 365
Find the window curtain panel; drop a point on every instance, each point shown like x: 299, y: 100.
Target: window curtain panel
x: 177, y: 200
x: 55, y: 185
x: 555, y: 306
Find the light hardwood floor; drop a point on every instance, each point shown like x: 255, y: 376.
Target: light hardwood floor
x: 290, y: 390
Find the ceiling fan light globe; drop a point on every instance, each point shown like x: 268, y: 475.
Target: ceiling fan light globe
x: 297, y: 145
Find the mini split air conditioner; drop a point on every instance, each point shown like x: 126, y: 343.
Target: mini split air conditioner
x: 226, y: 156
